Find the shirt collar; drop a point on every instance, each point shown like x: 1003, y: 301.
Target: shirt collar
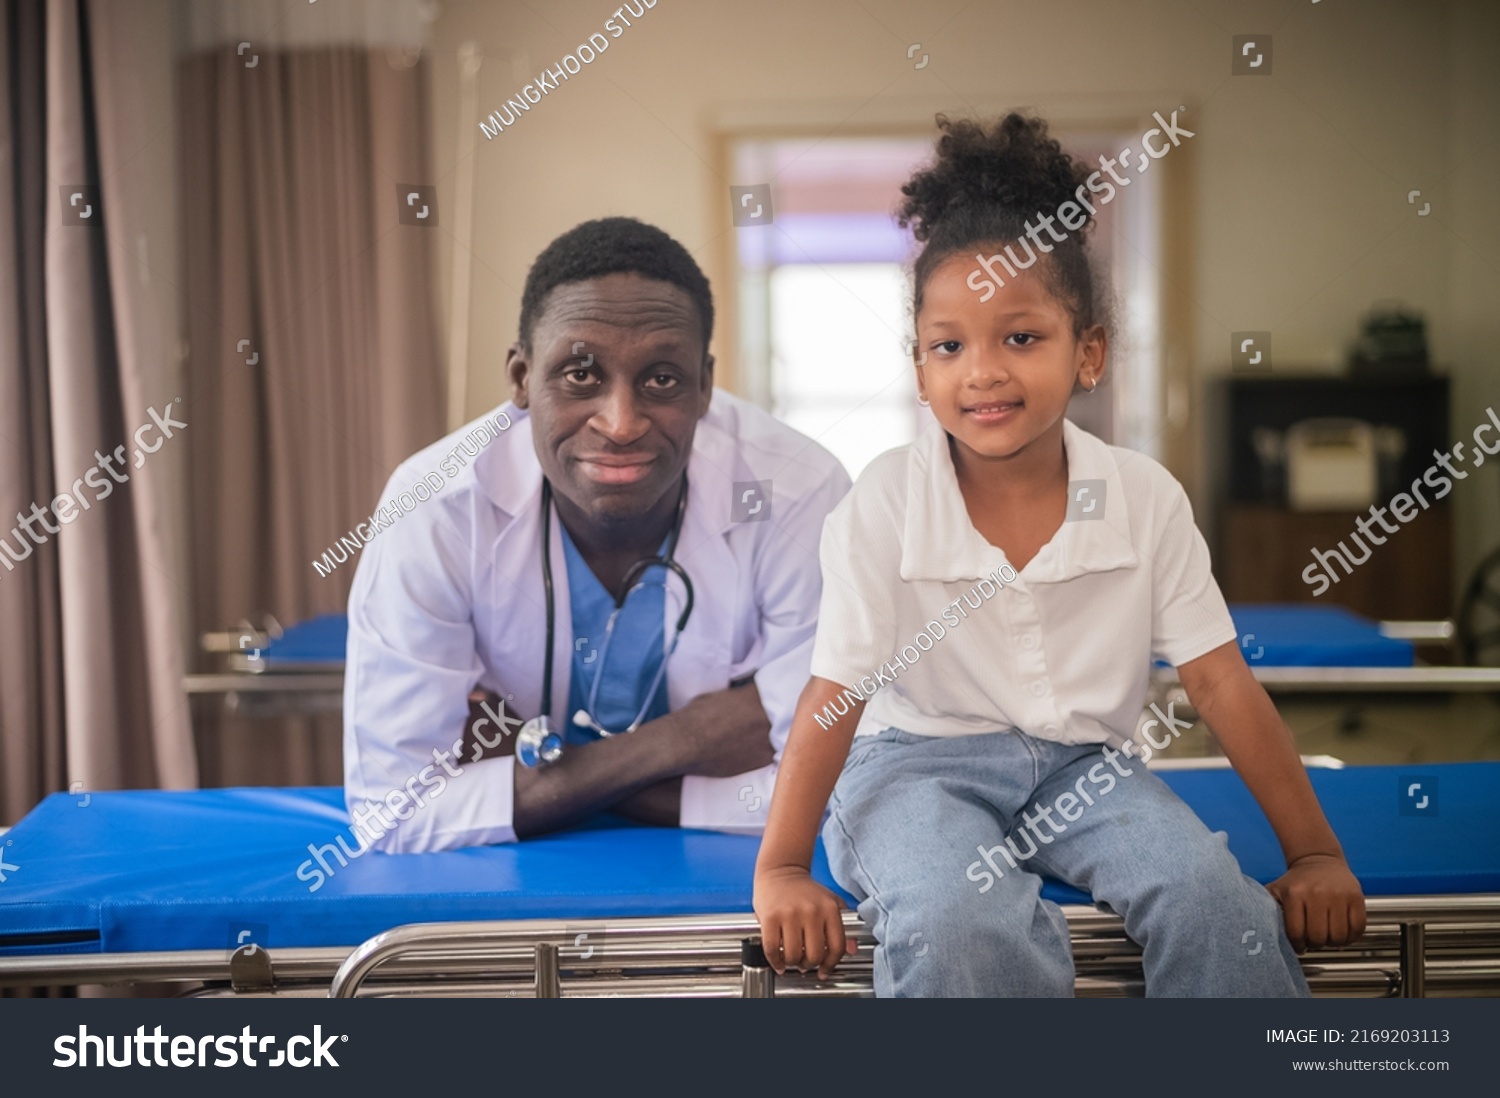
x: 939, y: 542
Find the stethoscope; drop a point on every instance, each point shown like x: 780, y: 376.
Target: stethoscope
x: 538, y: 742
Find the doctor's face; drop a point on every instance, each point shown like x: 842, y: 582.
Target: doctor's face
x: 616, y: 382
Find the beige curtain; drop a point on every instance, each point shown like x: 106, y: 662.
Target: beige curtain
x: 263, y: 209
x: 90, y: 653
x: 313, y: 363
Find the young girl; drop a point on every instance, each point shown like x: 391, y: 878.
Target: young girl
x: 1000, y: 751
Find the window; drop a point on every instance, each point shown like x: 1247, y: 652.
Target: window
x: 824, y: 295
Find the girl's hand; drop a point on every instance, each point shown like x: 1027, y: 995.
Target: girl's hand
x: 1321, y: 902
x: 801, y: 922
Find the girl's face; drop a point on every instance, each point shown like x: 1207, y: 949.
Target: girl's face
x: 999, y: 373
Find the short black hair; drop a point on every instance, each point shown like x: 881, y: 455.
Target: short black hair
x: 613, y: 245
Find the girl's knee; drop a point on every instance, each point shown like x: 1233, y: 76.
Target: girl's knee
x: 1217, y: 899
x: 1205, y: 868
x: 1005, y: 923
x: 1200, y: 886
x: 972, y: 949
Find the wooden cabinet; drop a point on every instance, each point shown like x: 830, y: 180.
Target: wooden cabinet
x: 1264, y: 547
x: 1265, y: 550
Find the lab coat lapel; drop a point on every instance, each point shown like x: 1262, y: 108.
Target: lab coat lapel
x: 513, y: 626
x: 702, y: 660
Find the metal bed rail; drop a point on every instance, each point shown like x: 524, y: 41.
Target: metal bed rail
x: 328, y: 676
x: 244, y: 682
x: 1361, y: 680
x: 1306, y: 680
x: 1461, y: 932
x: 1413, y: 947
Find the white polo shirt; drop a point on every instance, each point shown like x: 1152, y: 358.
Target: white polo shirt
x: 1064, y: 651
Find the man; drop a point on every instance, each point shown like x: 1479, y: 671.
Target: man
x: 614, y: 416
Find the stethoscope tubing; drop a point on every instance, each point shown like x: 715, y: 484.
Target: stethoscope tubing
x: 633, y: 579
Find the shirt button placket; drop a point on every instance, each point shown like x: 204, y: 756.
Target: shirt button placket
x: 1033, y: 662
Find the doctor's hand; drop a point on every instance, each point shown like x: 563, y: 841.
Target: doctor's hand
x: 801, y: 922
x: 488, y: 731
x: 724, y: 733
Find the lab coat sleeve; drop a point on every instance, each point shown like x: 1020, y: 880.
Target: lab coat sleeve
x: 788, y: 585
x: 410, y: 665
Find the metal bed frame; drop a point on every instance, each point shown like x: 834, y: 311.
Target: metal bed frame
x: 253, y: 688
x: 1420, y: 678
x: 1414, y: 947
x: 251, y: 683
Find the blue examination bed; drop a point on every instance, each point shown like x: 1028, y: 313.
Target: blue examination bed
x: 1290, y: 648
x: 152, y: 872
x: 315, y: 644
x: 1271, y: 635
x: 1290, y: 635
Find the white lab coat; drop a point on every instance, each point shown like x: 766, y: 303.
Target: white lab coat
x: 450, y: 596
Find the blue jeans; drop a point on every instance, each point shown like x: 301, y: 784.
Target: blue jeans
x: 928, y: 833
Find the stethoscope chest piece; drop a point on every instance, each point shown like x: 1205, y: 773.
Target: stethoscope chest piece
x: 538, y: 743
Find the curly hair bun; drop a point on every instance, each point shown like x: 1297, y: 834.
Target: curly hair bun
x: 988, y: 188
x: 1008, y: 168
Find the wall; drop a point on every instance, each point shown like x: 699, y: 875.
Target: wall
x: 1288, y: 212
x: 1467, y: 184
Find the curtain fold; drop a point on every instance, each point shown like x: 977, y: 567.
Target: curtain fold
x: 243, y: 271
x: 90, y: 639
x: 31, y: 709
x: 313, y: 343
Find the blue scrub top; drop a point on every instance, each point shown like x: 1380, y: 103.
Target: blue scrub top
x: 634, y: 655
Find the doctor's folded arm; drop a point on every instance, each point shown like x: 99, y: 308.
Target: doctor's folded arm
x: 620, y: 572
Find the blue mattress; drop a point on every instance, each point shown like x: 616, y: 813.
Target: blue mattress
x: 1271, y: 634
x: 153, y: 870
x: 1291, y: 635
x: 320, y: 640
